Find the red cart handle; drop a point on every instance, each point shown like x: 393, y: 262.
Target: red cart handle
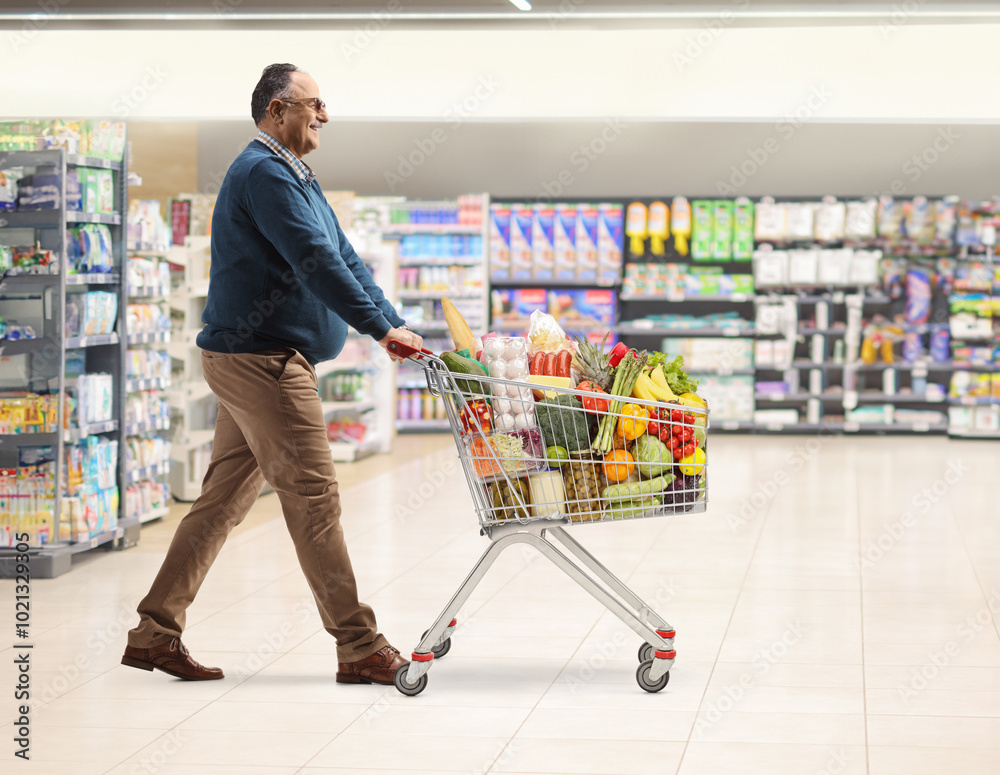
x: 401, y: 350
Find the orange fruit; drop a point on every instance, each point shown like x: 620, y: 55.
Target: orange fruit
x: 618, y: 465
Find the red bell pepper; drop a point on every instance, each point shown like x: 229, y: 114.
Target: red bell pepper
x: 475, y: 416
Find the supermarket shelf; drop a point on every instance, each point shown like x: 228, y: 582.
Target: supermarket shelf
x: 30, y: 280
x: 895, y: 427
x: 722, y: 372
x: 929, y: 366
x: 148, y: 292
x: 789, y: 397
x: 405, y: 294
x: 813, y: 365
x: 895, y: 398
x: 333, y: 367
x: 524, y: 325
x: 430, y: 325
x: 111, y: 219
x: 192, y: 391
x: 91, y: 429
x: 146, y: 253
x: 798, y: 427
x: 136, y: 385
x: 92, y: 279
x: 132, y: 428
x: 79, y: 160
x: 149, y: 337
x: 973, y: 401
x: 734, y: 298
x: 654, y: 330
x: 972, y: 433
x: 149, y: 516
x: 147, y: 472
x: 28, y: 439
x: 18, y: 346
x: 421, y: 426
x: 103, y: 538
x: 441, y: 261
x: 535, y: 282
x: 346, y: 406
x: 92, y: 340
x: 400, y: 229
x: 731, y: 425
x: 808, y: 330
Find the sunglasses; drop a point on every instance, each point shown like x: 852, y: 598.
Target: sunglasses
x: 314, y: 102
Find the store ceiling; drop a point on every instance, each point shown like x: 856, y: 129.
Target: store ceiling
x: 333, y: 12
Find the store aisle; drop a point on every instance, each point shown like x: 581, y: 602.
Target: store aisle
x: 835, y: 612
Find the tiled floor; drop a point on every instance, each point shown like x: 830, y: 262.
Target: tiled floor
x: 836, y: 612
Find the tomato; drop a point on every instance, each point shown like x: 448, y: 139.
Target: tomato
x: 676, y: 415
x: 688, y: 434
x: 677, y: 429
x: 593, y: 404
x: 665, y: 436
x: 689, y: 417
x: 676, y: 443
x: 653, y: 428
x: 689, y: 449
x: 476, y: 416
x: 654, y: 413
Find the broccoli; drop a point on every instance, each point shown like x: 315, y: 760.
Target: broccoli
x: 563, y: 422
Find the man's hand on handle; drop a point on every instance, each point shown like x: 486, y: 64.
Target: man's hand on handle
x: 403, y: 335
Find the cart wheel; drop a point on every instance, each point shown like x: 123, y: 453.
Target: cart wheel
x: 404, y: 686
x: 445, y: 647
x: 643, y: 679
x: 645, y: 652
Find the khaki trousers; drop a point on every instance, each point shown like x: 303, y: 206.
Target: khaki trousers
x: 270, y: 427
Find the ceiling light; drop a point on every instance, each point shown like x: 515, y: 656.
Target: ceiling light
x: 521, y: 5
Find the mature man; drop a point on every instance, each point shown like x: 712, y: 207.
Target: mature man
x: 285, y: 285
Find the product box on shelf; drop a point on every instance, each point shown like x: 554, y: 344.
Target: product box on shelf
x: 543, y: 242
x: 522, y: 257
x: 708, y: 354
x: 499, y: 241
x: 578, y: 310
x: 610, y: 234
x: 587, y: 244
x: 731, y: 397
x: 564, y: 242
x: 514, y: 306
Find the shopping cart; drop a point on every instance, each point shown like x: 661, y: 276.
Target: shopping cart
x: 524, y: 496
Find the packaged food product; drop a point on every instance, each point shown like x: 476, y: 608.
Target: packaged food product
x: 510, y: 499
x: 583, y: 482
x: 548, y: 494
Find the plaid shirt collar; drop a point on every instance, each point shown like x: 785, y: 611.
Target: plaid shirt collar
x: 301, y: 169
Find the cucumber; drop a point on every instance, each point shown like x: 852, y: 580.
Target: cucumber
x: 634, y: 490
x: 462, y: 365
x: 627, y: 512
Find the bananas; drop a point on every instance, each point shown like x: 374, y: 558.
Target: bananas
x: 655, y: 388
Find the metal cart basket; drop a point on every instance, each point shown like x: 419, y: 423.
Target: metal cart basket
x: 538, y: 459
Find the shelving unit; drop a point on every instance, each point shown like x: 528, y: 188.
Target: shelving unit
x: 39, y: 366
x: 192, y: 404
x: 436, y: 260
x: 147, y: 479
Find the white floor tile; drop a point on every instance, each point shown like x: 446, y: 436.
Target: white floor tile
x: 715, y: 758
x: 888, y: 760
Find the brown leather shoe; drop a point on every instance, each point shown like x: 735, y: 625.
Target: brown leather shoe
x: 173, y: 659
x: 379, y: 668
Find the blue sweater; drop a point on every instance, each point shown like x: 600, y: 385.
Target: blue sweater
x: 283, y: 273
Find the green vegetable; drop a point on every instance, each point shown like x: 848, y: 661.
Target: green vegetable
x: 462, y: 365
x: 563, y: 422
x: 678, y: 379
x: 634, y: 511
x: 626, y: 374
x: 652, y: 457
x: 634, y: 490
